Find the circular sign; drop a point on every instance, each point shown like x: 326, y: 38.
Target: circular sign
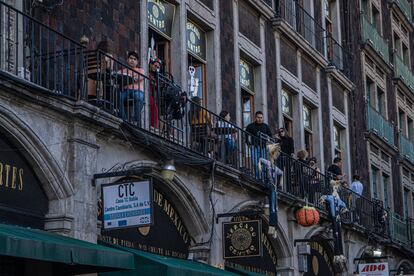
x: 241, y: 239
x: 155, y: 11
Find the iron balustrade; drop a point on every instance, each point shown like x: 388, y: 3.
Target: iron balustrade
x: 399, y: 229
x: 302, y: 22
x: 32, y: 51
x: 338, y: 56
x: 371, y: 35
x: 379, y: 125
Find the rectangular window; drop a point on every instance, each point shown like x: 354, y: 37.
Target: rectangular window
x: 406, y: 202
x: 307, y: 123
x: 337, y: 141
x: 374, y: 177
x: 406, y: 55
x: 401, y: 121
x: 197, y: 79
x: 247, y: 108
x: 380, y: 102
x: 397, y: 45
x: 370, y: 86
x: 376, y: 19
x: 386, y: 183
x: 410, y: 129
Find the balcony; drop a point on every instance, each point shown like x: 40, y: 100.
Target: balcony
x: 370, y: 35
x: 303, y: 23
x: 407, y: 148
x: 403, y: 72
x: 399, y: 230
x: 377, y: 124
x: 338, y: 56
x: 405, y: 7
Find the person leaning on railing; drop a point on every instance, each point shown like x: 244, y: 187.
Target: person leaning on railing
x: 134, y: 88
x: 201, y: 127
x: 227, y: 136
x: 257, y: 145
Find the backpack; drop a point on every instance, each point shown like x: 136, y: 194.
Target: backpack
x: 175, y: 101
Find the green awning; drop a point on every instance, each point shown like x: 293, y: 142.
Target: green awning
x: 151, y: 264
x: 242, y: 271
x: 62, y: 251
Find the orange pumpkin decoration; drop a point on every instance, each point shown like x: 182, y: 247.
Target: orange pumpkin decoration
x: 307, y: 216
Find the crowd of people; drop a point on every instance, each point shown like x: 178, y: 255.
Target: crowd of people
x: 219, y: 138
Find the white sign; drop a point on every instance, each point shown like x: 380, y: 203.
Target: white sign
x: 127, y: 204
x: 373, y: 269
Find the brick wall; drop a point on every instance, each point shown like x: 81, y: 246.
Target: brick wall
x: 116, y: 21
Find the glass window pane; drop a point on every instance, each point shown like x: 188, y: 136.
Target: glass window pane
x: 287, y: 103
x: 307, y: 120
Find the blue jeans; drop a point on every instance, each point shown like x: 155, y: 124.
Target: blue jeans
x: 138, y: 98
x: 257, y: 152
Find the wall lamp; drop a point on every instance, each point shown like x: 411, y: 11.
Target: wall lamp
x: 168, y: 170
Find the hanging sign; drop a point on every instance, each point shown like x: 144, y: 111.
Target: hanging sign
x: 127, y: 204
x: 160, y: 16
x: 242, y: 239
x: 246, y: 75
x: 266, y: 263
x: 373, y: 269
x: 196, y: 40
x: 167, y: 236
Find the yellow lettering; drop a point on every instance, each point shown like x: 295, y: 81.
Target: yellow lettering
x: 14, y: 178
x: 20, y: 179
x: 7, y: 174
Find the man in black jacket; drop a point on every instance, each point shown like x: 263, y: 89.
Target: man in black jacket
x: 257, y: 146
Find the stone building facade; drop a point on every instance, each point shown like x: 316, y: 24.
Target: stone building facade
x: 321, y: 69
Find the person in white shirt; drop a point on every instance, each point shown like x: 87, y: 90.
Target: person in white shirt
x: 357, y: 188
x: 356, y: 185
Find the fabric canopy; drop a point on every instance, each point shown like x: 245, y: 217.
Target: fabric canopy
x: 43, y: 246
x: 151, y: 264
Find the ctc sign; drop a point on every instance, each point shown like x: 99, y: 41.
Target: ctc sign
x: 125, y: 190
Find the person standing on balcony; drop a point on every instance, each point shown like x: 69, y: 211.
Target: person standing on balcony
x: 226, y: 137
x: 335, y: 169
x: 357, y: 188
x: 133, y: 88
x: 154, y: 68
x: 286, y: 142
x: 257, y: 145
x: 288, y: 149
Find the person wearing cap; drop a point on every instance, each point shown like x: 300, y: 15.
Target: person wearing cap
x: 133, y: 88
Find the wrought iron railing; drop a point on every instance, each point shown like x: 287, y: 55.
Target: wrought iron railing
x: 403, y: 71
x: 370, y: 34
x: 32, y: 51
x: 399, y: 229
x: 405, y: 7
x: 377, y: 124
x: 338, y: 56
x: 302, y: 22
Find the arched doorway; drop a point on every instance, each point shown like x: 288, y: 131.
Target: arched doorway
x: 320, y: 259
x: 23, y: 201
